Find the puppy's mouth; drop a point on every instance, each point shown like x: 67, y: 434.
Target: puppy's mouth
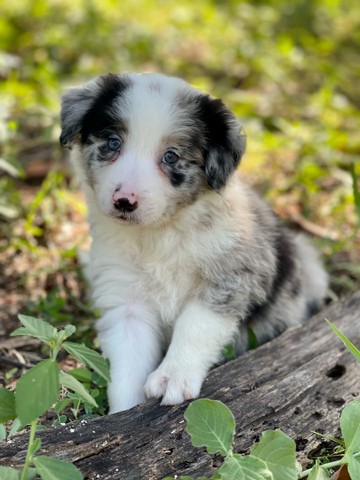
x: 124, y: 217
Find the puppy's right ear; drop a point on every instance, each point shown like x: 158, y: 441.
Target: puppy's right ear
x: 76, y: 102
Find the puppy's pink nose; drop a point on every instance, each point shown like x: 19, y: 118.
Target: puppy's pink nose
x: 125, y: 202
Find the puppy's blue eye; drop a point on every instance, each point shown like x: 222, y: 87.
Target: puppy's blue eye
x: 114, y: 144
x: 170, y: 158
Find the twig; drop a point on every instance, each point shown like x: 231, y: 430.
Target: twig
x: 8, y: 361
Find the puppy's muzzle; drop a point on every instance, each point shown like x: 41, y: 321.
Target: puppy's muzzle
x: 125, y: 202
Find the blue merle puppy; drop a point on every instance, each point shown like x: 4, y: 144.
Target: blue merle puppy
x: 185, y: 257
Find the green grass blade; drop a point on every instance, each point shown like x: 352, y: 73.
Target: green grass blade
x: 350, y: 346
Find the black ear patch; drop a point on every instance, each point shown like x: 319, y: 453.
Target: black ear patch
x: 224, y: 142
x: 88, y: 109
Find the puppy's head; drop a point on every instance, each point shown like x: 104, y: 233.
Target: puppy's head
x: 149, y: 144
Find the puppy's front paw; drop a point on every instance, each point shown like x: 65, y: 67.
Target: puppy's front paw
x: 173, y: 384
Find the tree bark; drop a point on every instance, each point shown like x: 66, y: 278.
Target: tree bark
x: 299, y: 383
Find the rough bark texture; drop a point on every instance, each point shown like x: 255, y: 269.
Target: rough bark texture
x: 299, y: 382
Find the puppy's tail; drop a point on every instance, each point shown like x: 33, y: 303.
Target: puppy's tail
x: 314, y: 275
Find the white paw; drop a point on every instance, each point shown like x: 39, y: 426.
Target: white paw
x: 173, y: 384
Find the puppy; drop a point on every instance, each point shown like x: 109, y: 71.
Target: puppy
x: 185, y: 258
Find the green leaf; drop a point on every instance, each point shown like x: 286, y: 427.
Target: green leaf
x: 15, y: 427
x: 89, y: 357
x: 211, y: 424
x: 31, y: 474
x: 277, y: 450
x: 61, y: 404
x: 50, y: 468
x: 3, y: 433
x: 34, y: 327
x: 82, y: 374
x: 353, y: 466
x: 350, y: 426
x: 318, y: 473
x: 350, y: 429
x: 7, y: 473
x: 70, y: 382
x: 252, y: 340
x: 37, y: 390
x: 7, y: 405
x: 351, y: 347
x: 69, y: 330
x: 238, y: 467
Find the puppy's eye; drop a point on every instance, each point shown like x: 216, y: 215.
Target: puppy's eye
x: 170, y: 158
x: 114, y: 144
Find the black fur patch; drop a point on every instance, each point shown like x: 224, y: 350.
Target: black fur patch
x: 285, y: 264
x: 88, y: 109
x: 100, y: 117
x: 224, y: 145
x: 312, y: 308
x: 285, y: 270
x: 176, y: 178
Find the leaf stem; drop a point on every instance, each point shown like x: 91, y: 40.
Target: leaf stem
x: 29, y: 450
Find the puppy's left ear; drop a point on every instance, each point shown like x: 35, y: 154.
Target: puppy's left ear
x: 224, y: 140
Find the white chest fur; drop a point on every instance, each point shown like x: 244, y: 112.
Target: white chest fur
x: 132, y: 265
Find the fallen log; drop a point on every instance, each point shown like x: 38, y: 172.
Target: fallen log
x: 299, y: 382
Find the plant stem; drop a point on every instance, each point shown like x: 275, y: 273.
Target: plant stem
x: 336, y: 463
x: 29, y: 450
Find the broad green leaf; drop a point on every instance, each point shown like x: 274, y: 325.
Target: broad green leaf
x: 353, y: 466
x: 50, y: 468
x: 211, y: 424
x: 318, y: 473
x: 277, y: 450
x: 350, y: 426
x: 7, y: 405
x: 350, y: 346
x: 350, y: 429
x: 70, y: 382
x: 7, y: 473
x: 3, y: 433
x: 34, y: 327
x: 238, y: 467
x: 89, y: 357
x: 37, y: 390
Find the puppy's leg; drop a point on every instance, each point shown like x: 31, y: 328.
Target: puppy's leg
x: 198, y: 338
x: 129, y: 339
